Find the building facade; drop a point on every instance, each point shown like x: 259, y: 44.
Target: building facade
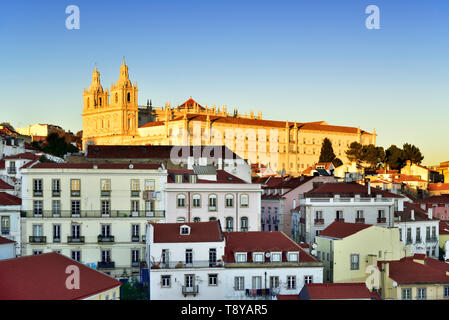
x: 92, y: 213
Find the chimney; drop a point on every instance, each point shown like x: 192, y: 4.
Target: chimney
x: 412, y: 212
x: 369, y: 186
x: 429, y: 213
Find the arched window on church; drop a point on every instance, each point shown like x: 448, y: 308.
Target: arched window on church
x: 116, y: 98
x: 129, y: 97
x: 100, y: 102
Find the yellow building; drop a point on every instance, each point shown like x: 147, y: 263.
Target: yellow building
x: 414, y: 278
x: 291, y: 146
x: 350, y: 251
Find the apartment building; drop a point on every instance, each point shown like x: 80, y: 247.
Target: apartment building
x: 345, y: 202
x: 207, y: 194
x: 93, y: 213
x: 10, y: 216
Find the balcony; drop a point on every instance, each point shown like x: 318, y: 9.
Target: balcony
x: 432, y: 239
x: 79, y: 239
x: 106, y: 265
x: 194, y: 290
x: 257, y: 293
x: 75, y: 193
x: 381, y: 220
x: 418, y: 240
x: 38, y: 239
x: 409, y: 241
x: 319, y: 221
x: 103, y: 239
x: 182, y: 264
x: 135, y: 238
x: 135, y: 193
x: 105, y: 193
x: 359, y: 220
x: 56, y: 240
x: 340, y: 219
x: 136, y: 264
x: 5, y: 231
x: 244, y: 229
x: 37, y: 193
x: 12, y: 170
x: 56, y: 193
x: 94, y: 214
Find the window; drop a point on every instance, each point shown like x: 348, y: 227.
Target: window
x: 422, y: 293
x: 244, y: 224
x: 105, y: 187
x: 276, y: 256
x: 239, y: 283
x: 257, y: 282
x: 244, y: 201
x: 105, y: 230
x: 37, y: 187
x: 291, y: 282
x: 229, y: 224
x: 240, y: 257
x: 196, y: 200
x: 37, y: 207
x: 339, y: 215
x: 308, y: 279
x: 212, y: 202
x: 134, y: 207
x: 185, y: 230
x: 180, y: 219
x: 189, y: 256
x: 76, y: 255
x: 274, y: 282
x: 105, y: 255
x: 258, y: 257
x: 446, y: 292
x: 196, y: 219
x: 166, y: 281
x: 5, y: 225
x: 293, y: 256
x: 76, y: 231
x: 76, y: 204
x: 56, y: 233
x: 359, y: 214
x: 56, y: 187
x: 37, y: 251
x: 75, y: 187
x: 56, y: 207
x: 181, y: 200
x: 229, y: 201
x: 149, y: 185
x: 178, y: 178
x: 135, y: 255
x: 105, y: 207
x: 135, y: 187
x: 193, y: 178
x: 319, y: 215
x: 213, y: 279
x: 355, y: 261
x: 212, y: 219
x: 135, y: 232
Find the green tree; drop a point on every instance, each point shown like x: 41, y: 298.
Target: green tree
x: 133, y: 290
x: 412, y: 153
x: 327, y: 152
x: 373, y: 156
x: 337, y: 162
x: 355, y: 152
x: 57, y: 145
x: 394, y: 157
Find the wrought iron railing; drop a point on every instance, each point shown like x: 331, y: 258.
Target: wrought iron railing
x: 92, y: 214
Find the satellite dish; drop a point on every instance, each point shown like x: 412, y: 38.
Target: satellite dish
x: 131, y: 166
x: 267, y: 255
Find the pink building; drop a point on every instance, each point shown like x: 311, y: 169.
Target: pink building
x: 438, y: 204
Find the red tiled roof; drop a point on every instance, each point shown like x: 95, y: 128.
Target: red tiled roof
x: 190, y: 104
x: 7, y: 199
x: 2, y: 163
x: 444, y: 227
x: 335, y: 291
x: 262, y: 241
x: 222, y: 177
x: 136, y: 166
x: 157, y: 152
x: 407, y: 271
x: 407, y: 178
x: 441, y: 199
x: 43, y: 277
x: 406, y: 214
x: 347, y: 189
x: 5, y: 240
x: 438, y: 186
x: 25, y: 155
x: 342, y: 230
x: 4, y: 185
x: 199, y: 232
x: 288, y: 297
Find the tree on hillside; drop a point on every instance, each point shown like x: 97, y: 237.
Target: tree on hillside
x: 337, y: 162
x: 8, y: 126
x: 327, y: 152
x: 412, y: 153
x: 57, y: 146
x: 373, y: 156
x: 394, y: 157
x: 355, y: 152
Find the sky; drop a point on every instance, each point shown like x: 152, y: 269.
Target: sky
x: 303, y: 60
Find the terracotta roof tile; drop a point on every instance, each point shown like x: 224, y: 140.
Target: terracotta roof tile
x: 7, y: 199
x: 25, y: 155
x: 441, y: 199
x: 4, y: 185
x: 347, y: 190
x: 4, y: 240
x: 335, y: 291
x: 438, y: 186
x: 342, y: 230
x: 118, y: 166
x: 199, y: 232
x: 43, y: 277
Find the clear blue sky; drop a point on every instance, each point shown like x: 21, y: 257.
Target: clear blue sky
x: 293, y: 60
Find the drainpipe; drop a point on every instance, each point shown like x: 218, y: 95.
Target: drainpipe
x: 236, y: 211
x: 188, y: 207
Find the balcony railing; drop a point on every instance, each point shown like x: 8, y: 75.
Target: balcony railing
x: 359, y: 220
x: 79, y: 239
x: 340, y: 219
x: 135, y: 193
x: 103, y: 238
x: 136, y: 264
x: 106, y: 265
x: 38, y: 239
x: 5, y: 231
x: 135, y: 238
x: 12, y: 170
x: 56, y: 193
x: 105, y: 193
x: 37, y: 193
x: 409, y: 241
x: 418, y: 240
x: 93, y: 214
x: 75, y: 193
x: 258, y: 292
x: 431, y: 239
x: 57, y: 239
x: 319, y: 221
x: 194, y: 290
x: 344, y: 200
x: 182, y: 264
x: 381, y: 220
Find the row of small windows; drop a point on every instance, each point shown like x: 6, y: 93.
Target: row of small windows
x: 212, y: 201
x: 229, y: 222
x: 100, y: 101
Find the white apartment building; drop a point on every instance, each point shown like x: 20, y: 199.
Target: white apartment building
x: 346, y: 202
x: 93, y: 213
x: 185, y: 261
x: 206, y: 194
x: 10, y: 215
x: 418, y: 229
x: 198, y: 261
